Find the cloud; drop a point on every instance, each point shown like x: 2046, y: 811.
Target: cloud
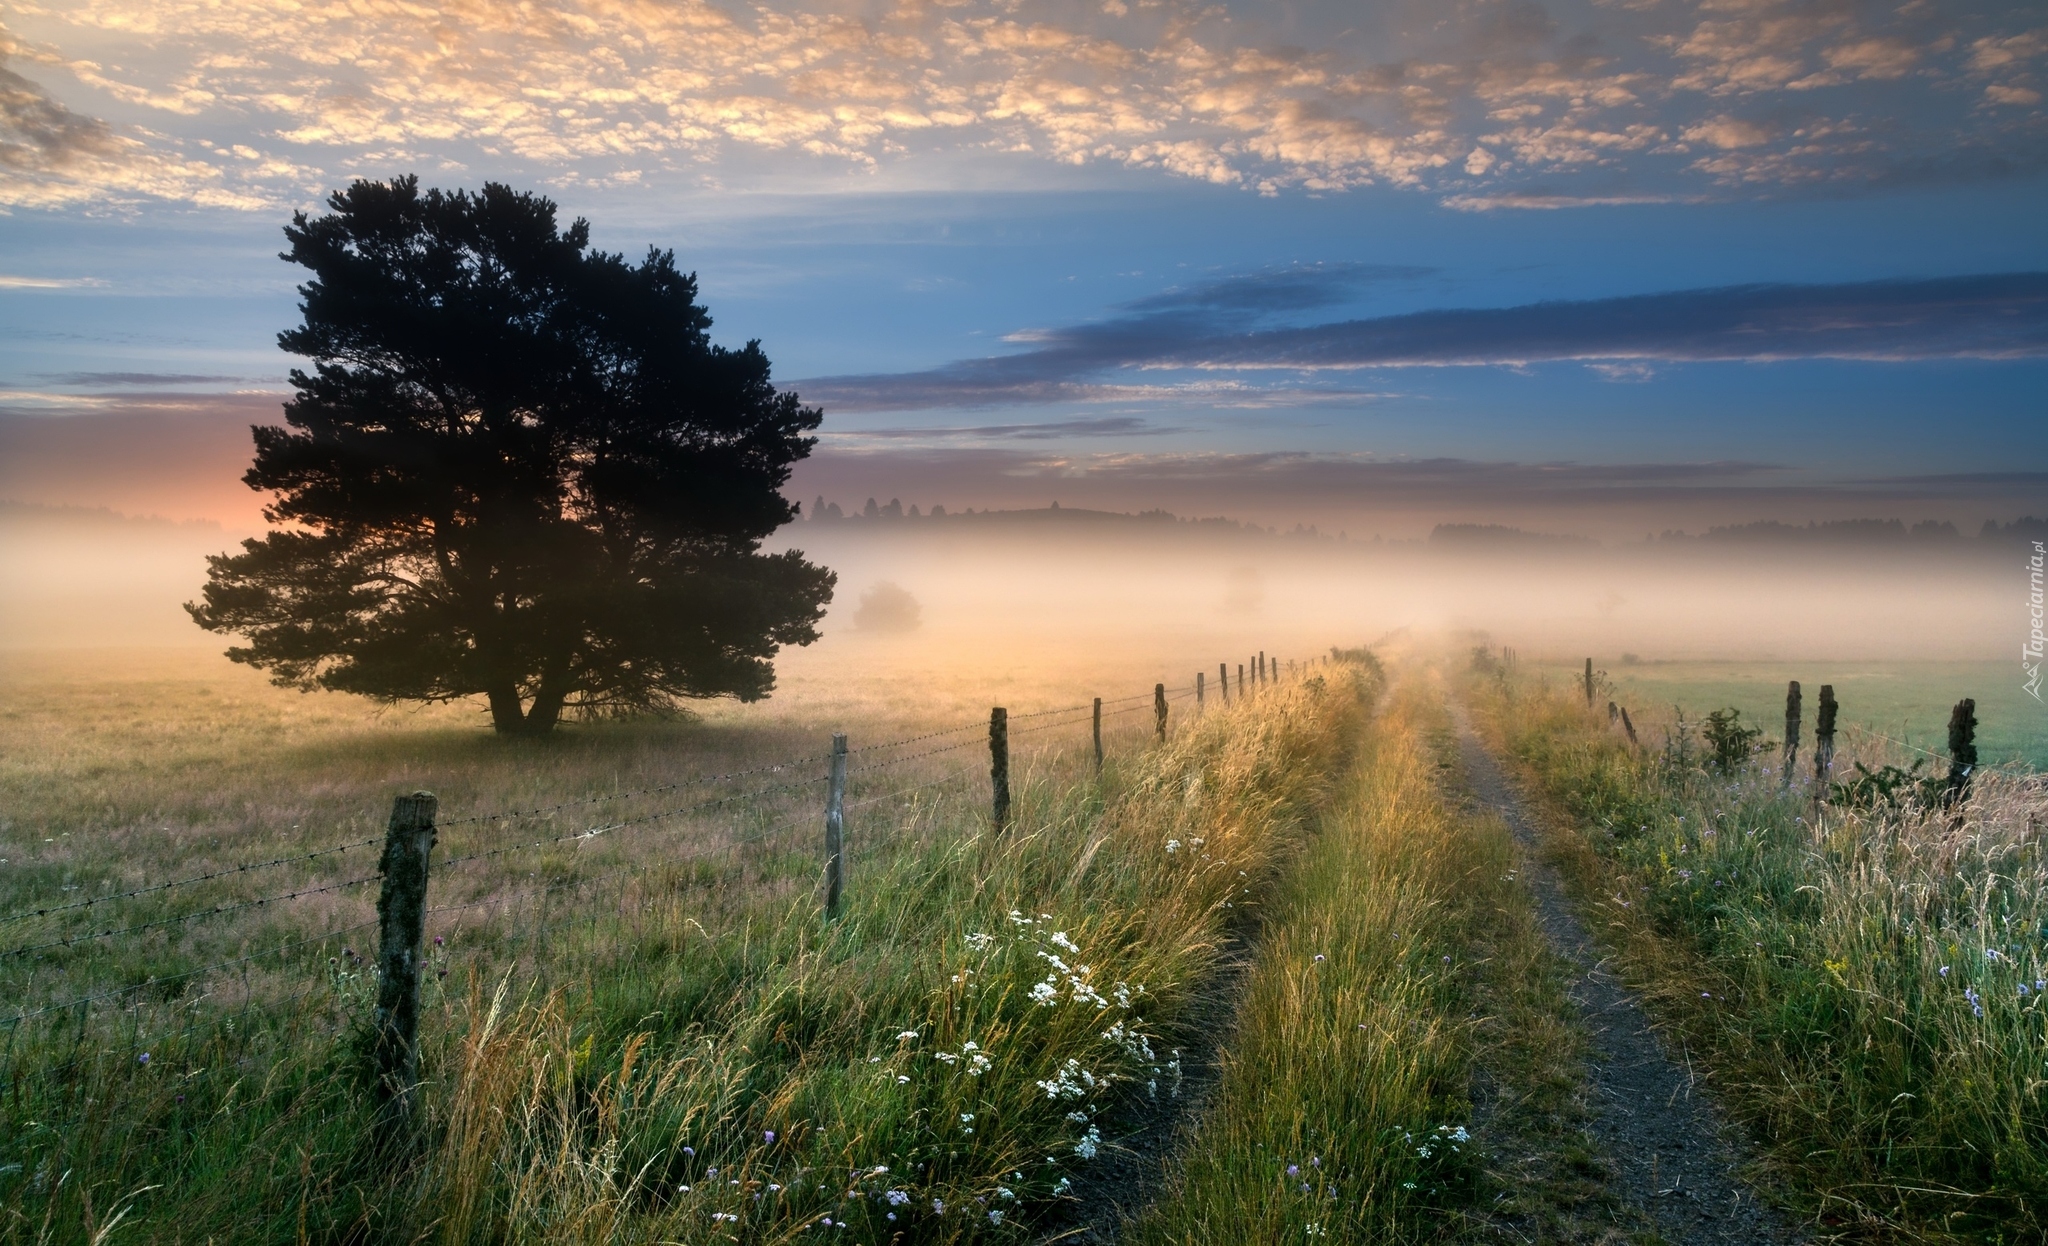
x: 1297, y: 287
x: 9, y: 281
x: 1475, y: 103
x: 1105, y: 426
x: 1542, y: 202
x: 1996, y: 316
x: 134, y: 378
x: 52, y: 157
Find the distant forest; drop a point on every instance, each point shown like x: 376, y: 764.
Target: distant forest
x: 1863, y: 532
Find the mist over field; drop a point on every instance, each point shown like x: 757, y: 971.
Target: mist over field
x: 1052, y: 579
x: 1019, y: 598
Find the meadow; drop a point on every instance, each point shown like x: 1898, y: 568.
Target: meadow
x: 1906, y: 701
x: 1861, y: 982
x: 636, y: 1034
x: 1270, y: 979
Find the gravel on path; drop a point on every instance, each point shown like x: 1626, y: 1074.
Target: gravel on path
x: 1672, y: 1156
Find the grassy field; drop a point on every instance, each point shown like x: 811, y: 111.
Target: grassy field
x: 647, y: 1034
x: 1907, y: 701
x: 1863, y: 985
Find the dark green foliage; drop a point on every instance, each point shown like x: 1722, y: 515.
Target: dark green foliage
x: 1885, y: 787
x: 520, y: 470
x: 1733, y: 744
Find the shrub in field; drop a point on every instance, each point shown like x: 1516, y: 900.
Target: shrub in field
x: 1866, y: 978
x: 1732, y: 743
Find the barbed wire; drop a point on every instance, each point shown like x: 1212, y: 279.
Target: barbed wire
x: 187, y: 882
x: 899, y: 761
x: 691, y: 781
x: 595, y: 832
x: 182, y: 918
x: 916, y: 739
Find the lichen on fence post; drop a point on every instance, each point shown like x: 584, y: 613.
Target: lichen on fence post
x: 1791, y: 728
x: 1962, y: 748
x: 835, y: 830
x: 999, y: 768
x: 401, y: 925
x: 1824, y: 734
x: 1098, y: 735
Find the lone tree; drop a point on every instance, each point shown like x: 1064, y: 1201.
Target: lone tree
x: 519, y: 470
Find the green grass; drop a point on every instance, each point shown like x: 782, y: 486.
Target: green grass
x: 605, y: 1041
x: 1907, y: 701
x: 1865, y: 987
x: 1342, y: 1112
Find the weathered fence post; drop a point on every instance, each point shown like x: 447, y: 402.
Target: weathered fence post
x: 1791, y: 727
x: 1962, y: 748
x: 1159, y: 710
x: 401, y: 926
x: 1628, y: 726
x: 1589, y: 683
x: 1223, y: 680
x: 1824, y: 734
x: 1198, y: 690
x: 1613, y: 713
x: 1098, y: 735
x: 1241, y: 689
x: 999, y: 767
x: 835, y: 829
x: 1262, y: 668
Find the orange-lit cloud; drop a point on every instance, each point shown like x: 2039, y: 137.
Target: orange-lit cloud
x: 273, y: 101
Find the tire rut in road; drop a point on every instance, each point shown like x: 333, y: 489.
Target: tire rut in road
x: 1670, y: 1155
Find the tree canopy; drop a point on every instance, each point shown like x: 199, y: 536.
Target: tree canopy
x: 518, y: 470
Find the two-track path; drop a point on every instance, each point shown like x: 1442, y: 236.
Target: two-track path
x: 1672, y: 1159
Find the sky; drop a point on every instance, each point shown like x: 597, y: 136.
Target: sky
x: 1605, y: 267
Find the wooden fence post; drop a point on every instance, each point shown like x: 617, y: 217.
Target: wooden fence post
x: 1962, y: 748
x: 1223, y: 680
x: 401, y: 926
x: 1159, y: 710
x: 1613, y: 713
x: 1791, y: 727
x: 1589, y: 683
x: 835, y: 830
x: 1628, y: 726
x: 1262, y: 668
x: 999, y: 767
x: 1098, y: 735
x: 1824, y: 734
x: 1241, y: 689
x: 1198, y: 690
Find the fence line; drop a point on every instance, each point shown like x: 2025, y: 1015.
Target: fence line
x: 1135, y: 703
x: 187, y: 882
x: 691, y: 781
x: 182, y: 918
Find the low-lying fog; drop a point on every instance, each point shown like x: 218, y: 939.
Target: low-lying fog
x: 1033, y: 585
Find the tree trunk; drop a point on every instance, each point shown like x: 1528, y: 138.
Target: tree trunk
x: 546, y: 710
x: 506, y: 718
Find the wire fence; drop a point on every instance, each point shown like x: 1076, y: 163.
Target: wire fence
x: 728, y: 824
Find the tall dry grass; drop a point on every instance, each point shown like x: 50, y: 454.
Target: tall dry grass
x: 1344, y: 1107
x: 1867, y: 983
